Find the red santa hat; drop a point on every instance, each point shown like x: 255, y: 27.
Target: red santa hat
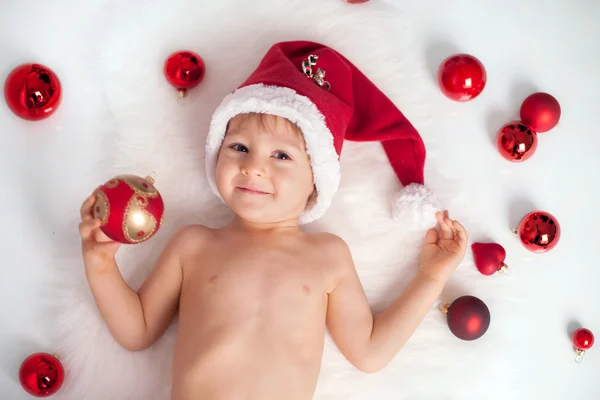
x: 331, y: 101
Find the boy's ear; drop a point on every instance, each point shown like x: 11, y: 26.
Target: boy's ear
x: 312, y: 198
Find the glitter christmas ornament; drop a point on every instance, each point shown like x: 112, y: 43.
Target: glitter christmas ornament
x: 130, y: 208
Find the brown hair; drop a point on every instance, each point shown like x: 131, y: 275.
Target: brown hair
x: 263, y: 121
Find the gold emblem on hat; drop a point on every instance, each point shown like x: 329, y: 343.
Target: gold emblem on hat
x: 319, y: 76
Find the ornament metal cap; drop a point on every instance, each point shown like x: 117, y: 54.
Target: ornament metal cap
x: 444, y: 308
x: 504, y: 270
x: 151, y: 177
x: 579, y: 355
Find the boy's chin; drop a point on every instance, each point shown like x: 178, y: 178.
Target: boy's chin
x: 262, y: 216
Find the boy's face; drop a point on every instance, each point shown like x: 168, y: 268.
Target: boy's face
x: 263, y: 172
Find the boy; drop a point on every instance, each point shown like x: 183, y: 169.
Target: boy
x: 255, y: 297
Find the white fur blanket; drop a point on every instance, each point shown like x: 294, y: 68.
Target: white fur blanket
x: 119, y: 115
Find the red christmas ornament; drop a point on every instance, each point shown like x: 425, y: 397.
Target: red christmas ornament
x: 130, y: 207
x: 462, y: 77
x: 41, y: 374
x: 539, y: 231
x: 468, y: 317
x: 541, y: 111
x: 32, y: 91
x: 355, y: 1
x: 583, y: 340
x: 489, y: 258
x: 184, y: 70
x: 516, y: 141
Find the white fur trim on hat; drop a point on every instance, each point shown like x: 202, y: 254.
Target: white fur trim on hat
x: 286, y: 103
x: 415, y: 206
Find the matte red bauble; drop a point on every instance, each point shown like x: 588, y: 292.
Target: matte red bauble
x: 461, y: 77
x: 130, y: 207
x: 32, y: 91
x: 489, y: 258
x: 541, y: 111
x: 539, y: 231
x: 184, y: 70
x: 516, y: 141
x: 41, y: 374
x: 468, y: 317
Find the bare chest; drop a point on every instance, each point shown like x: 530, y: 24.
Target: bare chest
x: 260, y: 277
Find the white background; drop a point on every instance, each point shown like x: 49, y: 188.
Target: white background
x: 526, y: 46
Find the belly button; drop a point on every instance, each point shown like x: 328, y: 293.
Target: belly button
x: 214, y: 278
x: 306, y: 289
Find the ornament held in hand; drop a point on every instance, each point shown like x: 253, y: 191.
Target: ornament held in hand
x: 184, y: 70
x: 583, y: 340
x: 516, y: 141
x: 489, y: 258
x: 462, y: 77
x: 539, y: 231
x: 32, y: 91
x: 41, y: 374
x: 130, y: 207
x: 541, y: 111
x: 468, y: 317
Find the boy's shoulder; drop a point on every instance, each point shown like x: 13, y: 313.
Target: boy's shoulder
x: 328, y: 241
x: 190, y: 235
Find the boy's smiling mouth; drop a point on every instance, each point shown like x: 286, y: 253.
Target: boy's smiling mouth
x: 251, y: 190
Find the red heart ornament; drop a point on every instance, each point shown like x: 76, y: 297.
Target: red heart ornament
x: 489, y: 258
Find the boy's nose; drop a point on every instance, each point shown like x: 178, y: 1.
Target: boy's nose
x: 253, y: 168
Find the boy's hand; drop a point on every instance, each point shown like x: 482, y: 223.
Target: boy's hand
x: 97, y: 248
x: 443, y: 251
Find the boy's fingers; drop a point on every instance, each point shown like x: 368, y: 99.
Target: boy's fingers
x: 448, y: 222
x: 431, y: 237
x: 109, y: 247
x: 100, y: 236
x: 446, y: 230
x: 86, y: 207
x: 462, y: 234
x: 87, y: 226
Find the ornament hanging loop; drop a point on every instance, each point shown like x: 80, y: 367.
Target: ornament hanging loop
x: 444, y: 308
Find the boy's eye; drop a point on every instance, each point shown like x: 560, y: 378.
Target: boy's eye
x: 282, y: 156
x: 239, y: 147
